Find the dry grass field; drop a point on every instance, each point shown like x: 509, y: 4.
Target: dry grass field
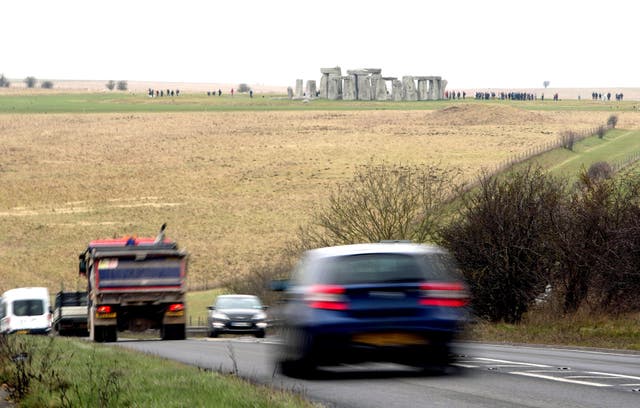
x: 232, y: 186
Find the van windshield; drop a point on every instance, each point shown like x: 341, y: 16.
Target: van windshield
x: 28, y: 307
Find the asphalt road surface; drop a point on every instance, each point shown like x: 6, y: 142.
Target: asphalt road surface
x: 487, y: 375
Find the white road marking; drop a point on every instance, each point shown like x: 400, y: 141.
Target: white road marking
x: 517, y: 363
x: 614, y: 375
x: 464, y: 365
x: 548, y: 377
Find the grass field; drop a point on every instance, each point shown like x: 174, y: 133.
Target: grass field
x: 57, y: 102
x: 232, y: 185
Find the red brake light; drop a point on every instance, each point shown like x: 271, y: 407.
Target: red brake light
x: 176, y: 307
x: 103, y: 309
x: 329, y: 297
x: 445, y: 294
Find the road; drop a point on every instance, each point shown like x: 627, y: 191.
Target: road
x: 487, y: 376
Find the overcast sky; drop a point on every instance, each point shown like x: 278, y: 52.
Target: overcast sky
x: 471, y: 43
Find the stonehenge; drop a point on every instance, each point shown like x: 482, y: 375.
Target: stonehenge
x: 368, y: 84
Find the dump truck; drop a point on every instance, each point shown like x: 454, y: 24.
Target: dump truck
x: 70, y: 313
x: 135, y: 284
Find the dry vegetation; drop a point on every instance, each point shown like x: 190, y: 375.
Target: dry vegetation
x: 233, y: 187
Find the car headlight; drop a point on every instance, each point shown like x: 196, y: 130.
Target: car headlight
x: 219, y: 316
x: 260, y: 316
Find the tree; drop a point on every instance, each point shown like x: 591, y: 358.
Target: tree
x: 110, y: 85
x: 46, y: 84
x: 546, y: 84
x: 30, y: 81
x: 4, y: 82
x: 243, y: 88
x: 500, y: 237
x: 384, y: 202
x: 122, y: 85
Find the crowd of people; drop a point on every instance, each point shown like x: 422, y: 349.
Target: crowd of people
x: 599, y: 96
x: 156, y: 93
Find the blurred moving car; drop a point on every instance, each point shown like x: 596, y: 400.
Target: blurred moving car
x: 237, y: 314
x: 392, y: 301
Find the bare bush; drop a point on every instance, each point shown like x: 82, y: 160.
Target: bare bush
x: 243, y: 88
x: 501, y: 239
x: 122, y: 85
x: 258, y: 280
x: 110, y: 85
x: 384, y: 202
x: 600, y: 170
x: 46, y: 85
x: 601, y: 131
x: 612, y: 122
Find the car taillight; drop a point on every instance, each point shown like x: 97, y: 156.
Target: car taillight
x: 103, y: 309
x: 446, y: 294
x: 176, y: 307
x: 330, y: 297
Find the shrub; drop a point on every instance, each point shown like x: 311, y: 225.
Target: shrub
x: 4, y: 82
x: 601, y: 131
x: 500, y: 237
x: 612, y: 121
x: 111, y: 85
x: 122, y: 85
x: 600, y: 170
x: 30, y: 81
x: 568, y: 139
x: 46, y: 85
x: 243, y: 88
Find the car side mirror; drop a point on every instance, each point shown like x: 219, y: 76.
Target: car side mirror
x: 211, y: 307
x: 265, y: 307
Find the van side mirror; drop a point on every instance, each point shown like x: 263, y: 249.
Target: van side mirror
x: 82, y: 265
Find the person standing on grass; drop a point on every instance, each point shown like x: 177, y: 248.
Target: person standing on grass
x: 231, y: 91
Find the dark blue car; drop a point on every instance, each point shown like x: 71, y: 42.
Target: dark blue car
x: 397, y: 302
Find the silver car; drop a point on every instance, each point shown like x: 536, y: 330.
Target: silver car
x: 237, y: 314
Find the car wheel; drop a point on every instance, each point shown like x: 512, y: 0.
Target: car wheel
x: 213, y: 334
x: 294, y: 359
x: 260, y: 334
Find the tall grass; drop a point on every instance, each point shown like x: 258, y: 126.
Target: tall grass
x: 63, y: 372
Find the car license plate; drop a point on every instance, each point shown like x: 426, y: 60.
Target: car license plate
x: 389, y: 339
x: 22, y: 332
x: 241, y: 324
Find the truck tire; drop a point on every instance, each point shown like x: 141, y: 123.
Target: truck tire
x: 173, y: 332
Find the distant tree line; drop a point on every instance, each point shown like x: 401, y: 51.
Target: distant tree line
x: 120, y: 85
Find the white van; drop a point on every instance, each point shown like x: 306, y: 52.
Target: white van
x: 25, y: 310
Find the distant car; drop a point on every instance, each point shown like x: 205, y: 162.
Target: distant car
x: 396, y: 302
x: 237, y: 314
x: 70, y: 314
x: 25, y: 311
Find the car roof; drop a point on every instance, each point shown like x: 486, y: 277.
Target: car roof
x: 376, y: 248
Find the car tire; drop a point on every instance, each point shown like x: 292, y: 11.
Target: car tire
x: 294, y: 359
x: 213, y: 334
x: 260, y: 334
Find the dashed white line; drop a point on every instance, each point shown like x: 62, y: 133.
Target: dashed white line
x: 548, y: 377
x: 516, y: 363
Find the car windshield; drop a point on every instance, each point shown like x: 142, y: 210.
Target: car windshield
x: 238, y: 303
x: 28, y: 307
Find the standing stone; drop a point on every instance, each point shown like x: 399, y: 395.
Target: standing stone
x: 324, y: 80
x: 364, y: 88
x: 423, y: 88
x: 349, y: 88
x: 290, y: 92
x: 396, y: 90
x: 311, y: 88
x: 409, y: 86
x: 299, y: 92
x: 441, y: 88
x: 380, y: 89
x: 334, y: 87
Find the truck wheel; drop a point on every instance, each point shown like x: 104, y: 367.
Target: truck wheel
x: 173, y: 332
x: 213, y: 334
x: 111, y: 334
